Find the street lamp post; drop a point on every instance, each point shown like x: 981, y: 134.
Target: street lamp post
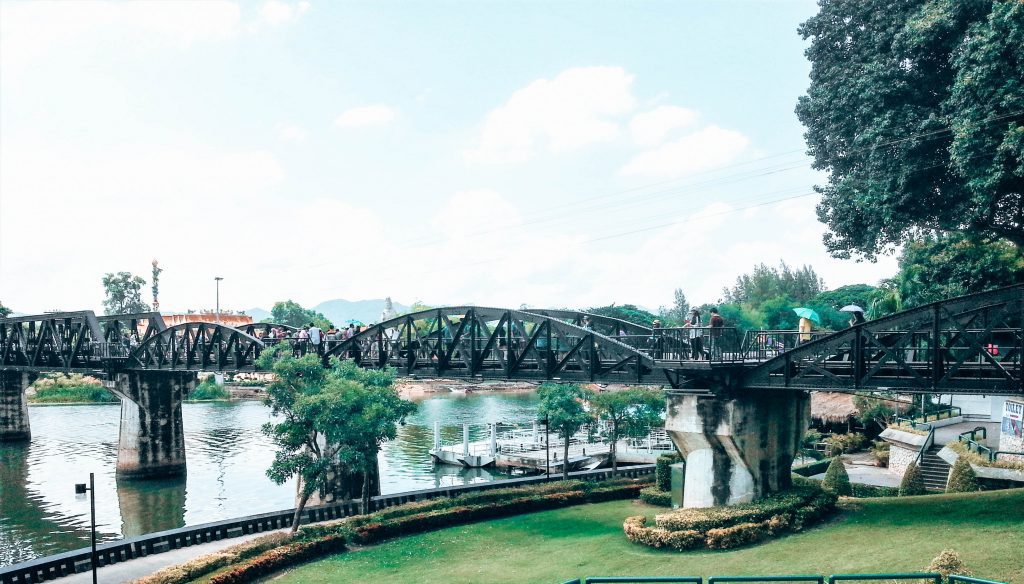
x: 218, y: 279
x: 547, y: 450
x: 80, y: 489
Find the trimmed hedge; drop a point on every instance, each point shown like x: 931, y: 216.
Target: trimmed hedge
x: 837, y: 480
x: 280, y: 558
x: 203, y: 565
x: 813, y: 468
x: 913, y: 482
x: 729, y: 527
x: 655, y: 496
x: 865, y: 491
x: 962, y: 478
x: 663, y: 471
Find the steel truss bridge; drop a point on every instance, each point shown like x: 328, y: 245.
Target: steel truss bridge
x: 971, y: 344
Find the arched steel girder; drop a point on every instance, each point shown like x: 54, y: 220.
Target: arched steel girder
x: 474, y: 341
x: 969, y: 344
x: 198, y: 346
x: 260, y: 330
x: 59, y: 341
x: 116, y: 326
x: 605, y: 325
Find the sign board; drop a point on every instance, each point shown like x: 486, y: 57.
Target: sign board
x: 1013, y: 418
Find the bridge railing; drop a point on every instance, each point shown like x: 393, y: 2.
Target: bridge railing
x: 761, y: 345
x: 703, y: 343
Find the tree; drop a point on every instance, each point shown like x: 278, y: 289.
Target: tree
x: 124, y: 293
x: 328, y: 417
x: 680, y: 308
x: 4, y: 311
x: 627, y: 312
x: 962, y: 478
x: 915, y: 112
x: 632, y: 412
x: 836, y: 480
x: 561, y: 405
x: 293, y: 314
x: 859, y: 294
x: 941, y: 266
x: 913, y: 481
x: 765, y: 283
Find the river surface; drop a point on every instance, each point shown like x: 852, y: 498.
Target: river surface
x: 227, y: 458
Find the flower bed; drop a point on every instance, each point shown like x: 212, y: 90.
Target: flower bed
x: 734, y: 526
x: 204, y: 565
x: 280, y: 558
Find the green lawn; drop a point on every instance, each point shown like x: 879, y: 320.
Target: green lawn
x: 871, y: 535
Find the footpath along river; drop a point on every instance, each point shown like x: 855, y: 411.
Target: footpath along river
x: 227, y: 458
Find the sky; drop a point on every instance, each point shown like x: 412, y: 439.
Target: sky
x: 561, y: 154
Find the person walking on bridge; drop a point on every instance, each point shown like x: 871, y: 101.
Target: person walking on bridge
x: 696, y: 335
x: 316, y: 338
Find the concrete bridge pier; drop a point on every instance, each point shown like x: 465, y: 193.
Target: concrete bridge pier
x: 152, y: 440
x: 14, y: 424
x: 739, y: 446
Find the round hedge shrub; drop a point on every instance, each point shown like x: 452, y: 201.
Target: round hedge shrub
x: 662, y: 472
x: 962, y: 479
x: 837, y: 481
x: 913, y: 482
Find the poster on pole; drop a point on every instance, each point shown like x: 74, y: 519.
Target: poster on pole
x: 1013, y: 419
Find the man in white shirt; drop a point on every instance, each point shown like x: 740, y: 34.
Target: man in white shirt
x: 316, y: 338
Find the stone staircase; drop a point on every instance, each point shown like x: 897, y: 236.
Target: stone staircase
x: 934, y: 470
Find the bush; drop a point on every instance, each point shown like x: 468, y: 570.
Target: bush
x: 813, y: 468
x: 189, y: 571
x: 962, y: 478
x: 864, y: 491
x: 209, y: 389
x: 913, y: 482
x: 948, y: 562
x: 881, y: 453
x: 729, y: 527
x: 846, y: 443
x: 70, y: 388
x: 655, y: 496
x: 837, y: 481
x: 663, y: 472
x: 279, y: 558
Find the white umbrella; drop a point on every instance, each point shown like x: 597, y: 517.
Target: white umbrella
x: 852, y: 308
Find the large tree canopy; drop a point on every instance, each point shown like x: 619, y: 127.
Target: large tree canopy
x: 124, y: 293
x: 916, y: 111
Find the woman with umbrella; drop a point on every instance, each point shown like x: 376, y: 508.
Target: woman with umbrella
x: 807, y: 316
x: 856, y: 314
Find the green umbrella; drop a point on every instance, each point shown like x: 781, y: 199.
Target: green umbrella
x: 807, y: 313
x: 354, y: 321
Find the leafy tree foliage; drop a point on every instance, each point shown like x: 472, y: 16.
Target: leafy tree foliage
x: 327, y: 417
x: 859, y: 294
x: 632, y: 412
x: 936, y: 267
x: 124, y: 293
x: 765, y: 283
x: 627, y: 312
x: 837, y: 480
x: 4, y: 311
x: 680, y: 308
x: 293, y: 314
x: 915, y: 110
x: 561, y: 405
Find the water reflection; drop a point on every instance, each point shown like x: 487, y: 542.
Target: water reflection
x: 227, y: 459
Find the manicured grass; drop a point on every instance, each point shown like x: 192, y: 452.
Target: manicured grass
x: 58, y: 388
x: 871, y: 535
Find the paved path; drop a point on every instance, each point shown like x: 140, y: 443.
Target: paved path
x: 139, y: 567
x: 862, y: 470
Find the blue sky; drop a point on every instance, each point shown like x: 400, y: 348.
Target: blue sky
x: 500, y: 153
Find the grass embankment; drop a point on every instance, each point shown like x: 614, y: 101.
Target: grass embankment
x: 60, y: 388
x: 871, y: 535
x: 207, y: 390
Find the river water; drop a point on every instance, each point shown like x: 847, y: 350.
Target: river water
x: 227, y: 458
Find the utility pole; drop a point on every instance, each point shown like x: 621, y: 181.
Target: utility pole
x: 80, y: 489
x: 218, y: 279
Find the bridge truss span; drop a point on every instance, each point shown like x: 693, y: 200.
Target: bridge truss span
x: 970, y: 344
x: 481, y: 342
x: 198, y: 346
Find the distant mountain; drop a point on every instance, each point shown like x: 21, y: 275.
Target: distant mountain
x: 258, y: 314
x: 366, y: 311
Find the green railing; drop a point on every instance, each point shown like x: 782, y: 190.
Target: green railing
x: 943, y: 414
x: 972, y: 434
x: 936, y: 578
x: 933, y: 577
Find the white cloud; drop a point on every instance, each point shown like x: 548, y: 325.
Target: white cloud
x: 367, y: 115
x: 276, y: 12
x: 704, y: 149
x: 650, y: 128
x: 291, y: 133
x: 576, y: 108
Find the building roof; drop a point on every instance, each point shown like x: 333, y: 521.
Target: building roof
x: 832, y: 407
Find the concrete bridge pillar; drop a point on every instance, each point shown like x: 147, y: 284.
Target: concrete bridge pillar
x: 14, y: 425
x: 152, y: 440
x: 737, y: 447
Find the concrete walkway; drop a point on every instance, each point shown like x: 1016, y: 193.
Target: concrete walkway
x: 948, y: 434
x: 862, y: 470
x: 139, y: 567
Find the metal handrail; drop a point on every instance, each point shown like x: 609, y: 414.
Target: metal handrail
x: 972, y: 433
x: 937, y: 578
x: 934, y: 577
x: 954, y: 579
x: 950, y: 409
x: 805, y: 578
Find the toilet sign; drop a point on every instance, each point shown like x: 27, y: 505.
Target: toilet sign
x: 1013, y: 418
